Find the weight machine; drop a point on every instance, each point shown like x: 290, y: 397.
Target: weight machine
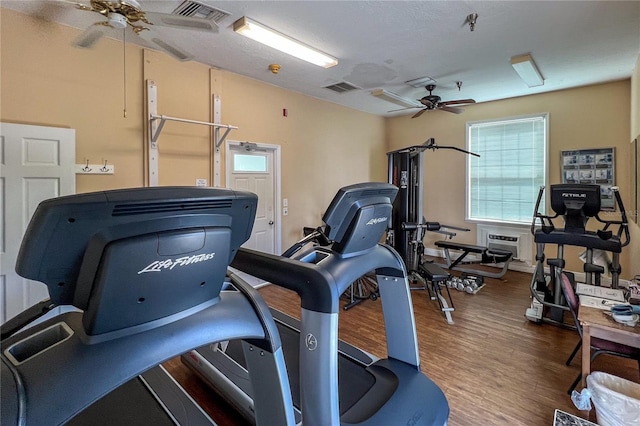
x: 408, y: 225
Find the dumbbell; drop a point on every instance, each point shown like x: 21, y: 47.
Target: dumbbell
x: 471, y: 286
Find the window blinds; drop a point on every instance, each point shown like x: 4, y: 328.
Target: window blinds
x: 503, y: 182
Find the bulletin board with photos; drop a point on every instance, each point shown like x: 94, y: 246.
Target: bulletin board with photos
x: 591, y: 166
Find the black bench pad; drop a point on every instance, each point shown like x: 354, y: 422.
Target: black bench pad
x: 460, y: 246
x: 434, y: 272
x: 491, y: 253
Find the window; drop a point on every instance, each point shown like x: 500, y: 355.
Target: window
x: 503, y: 183
x: 249, y: 163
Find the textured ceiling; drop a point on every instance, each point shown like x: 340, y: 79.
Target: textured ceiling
x: 383, y: 44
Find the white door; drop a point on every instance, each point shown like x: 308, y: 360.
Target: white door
x: 252, y: 167
x: 37, y: 163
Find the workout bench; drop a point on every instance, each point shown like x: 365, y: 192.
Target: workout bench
x: 436, y: 276
x: 488, y: 256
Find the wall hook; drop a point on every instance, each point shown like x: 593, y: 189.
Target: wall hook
x: 86, y: 168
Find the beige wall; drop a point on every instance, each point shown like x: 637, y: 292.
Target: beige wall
x: 634, y: 248
x: 45, y: 81
x: 635, y: 100
x: 588, y: 117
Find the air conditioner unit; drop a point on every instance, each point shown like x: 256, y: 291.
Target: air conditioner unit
x: 504, y: 242
x: 517, y: 240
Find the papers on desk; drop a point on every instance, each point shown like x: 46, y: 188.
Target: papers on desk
x: 602, y: 292
x: 597, y: 302
x: 599, y: 297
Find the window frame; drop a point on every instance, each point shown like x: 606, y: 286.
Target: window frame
x: 545, y: 166
x: 261, y: 154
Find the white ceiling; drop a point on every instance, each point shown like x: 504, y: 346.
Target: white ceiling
x: 382, y: 44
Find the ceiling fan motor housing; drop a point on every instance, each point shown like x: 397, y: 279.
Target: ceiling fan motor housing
x: 117, y: 21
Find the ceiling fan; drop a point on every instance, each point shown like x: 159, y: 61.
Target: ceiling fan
x: 122, y: 13
x: 431, y: 102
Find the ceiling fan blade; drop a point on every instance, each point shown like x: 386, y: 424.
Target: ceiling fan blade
x: 458, y: 102
x: 451, y: 109
x: 75, y: 4
x: 425, y: 102
x: 90, y: 36
x: 166, y: 47
x: 419, y: 113
x: 404, y: 109
x: 183, y: 22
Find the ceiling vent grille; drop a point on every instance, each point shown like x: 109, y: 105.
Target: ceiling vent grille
x: 199, y: 10
x: 342, y: 87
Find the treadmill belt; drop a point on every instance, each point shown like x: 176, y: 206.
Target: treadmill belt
x: 353, y: 379
x: 131, y: 404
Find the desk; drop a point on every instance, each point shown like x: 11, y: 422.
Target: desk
x: 595, y: 323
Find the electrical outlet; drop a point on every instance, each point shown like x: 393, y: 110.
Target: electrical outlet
x: 201, y: 182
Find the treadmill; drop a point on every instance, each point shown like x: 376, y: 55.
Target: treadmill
x: 134, y: 278
x: 333, y: 382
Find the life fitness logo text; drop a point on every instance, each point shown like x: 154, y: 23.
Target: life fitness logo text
x: 377, y: 220
x: 161, y: 265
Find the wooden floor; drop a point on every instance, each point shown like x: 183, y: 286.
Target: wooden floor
x: 494, y: 366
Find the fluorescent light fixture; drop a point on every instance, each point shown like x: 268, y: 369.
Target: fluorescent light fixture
x: 258, y: 32
x: 527, y: 70
x: 395, y: 98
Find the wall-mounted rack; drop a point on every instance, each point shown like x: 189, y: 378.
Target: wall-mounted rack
x: 163, y: 118
x: 95, y: 169
x: 157, y: 122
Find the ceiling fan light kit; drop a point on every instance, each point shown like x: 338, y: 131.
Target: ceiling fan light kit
x: 265, y: 35
x: 395, y: 98
x: 527, y: 70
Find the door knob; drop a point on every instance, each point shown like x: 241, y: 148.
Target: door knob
x: 270, y: 222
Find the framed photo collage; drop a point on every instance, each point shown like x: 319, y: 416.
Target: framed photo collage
x: 594, y: 166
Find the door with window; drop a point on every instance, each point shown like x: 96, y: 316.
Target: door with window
x: 252, y: 167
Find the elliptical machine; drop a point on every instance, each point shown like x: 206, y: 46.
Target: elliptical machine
x: 576, y: 203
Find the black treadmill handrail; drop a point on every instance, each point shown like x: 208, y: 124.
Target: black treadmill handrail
x: 44, y: 386
x: 319, y: 285
x: 309, y: 282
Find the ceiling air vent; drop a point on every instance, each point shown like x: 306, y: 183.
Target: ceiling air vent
x: 199, y: 10
x: 342, y: 87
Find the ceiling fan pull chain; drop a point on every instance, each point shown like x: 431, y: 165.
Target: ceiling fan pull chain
x: 124, y: 70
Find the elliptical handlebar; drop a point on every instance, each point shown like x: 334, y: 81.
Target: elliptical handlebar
x: 623, y: 225
x: 537, y: 215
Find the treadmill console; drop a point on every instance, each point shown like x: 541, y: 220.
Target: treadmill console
x: 128, y: 257
x: 358, y: 216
